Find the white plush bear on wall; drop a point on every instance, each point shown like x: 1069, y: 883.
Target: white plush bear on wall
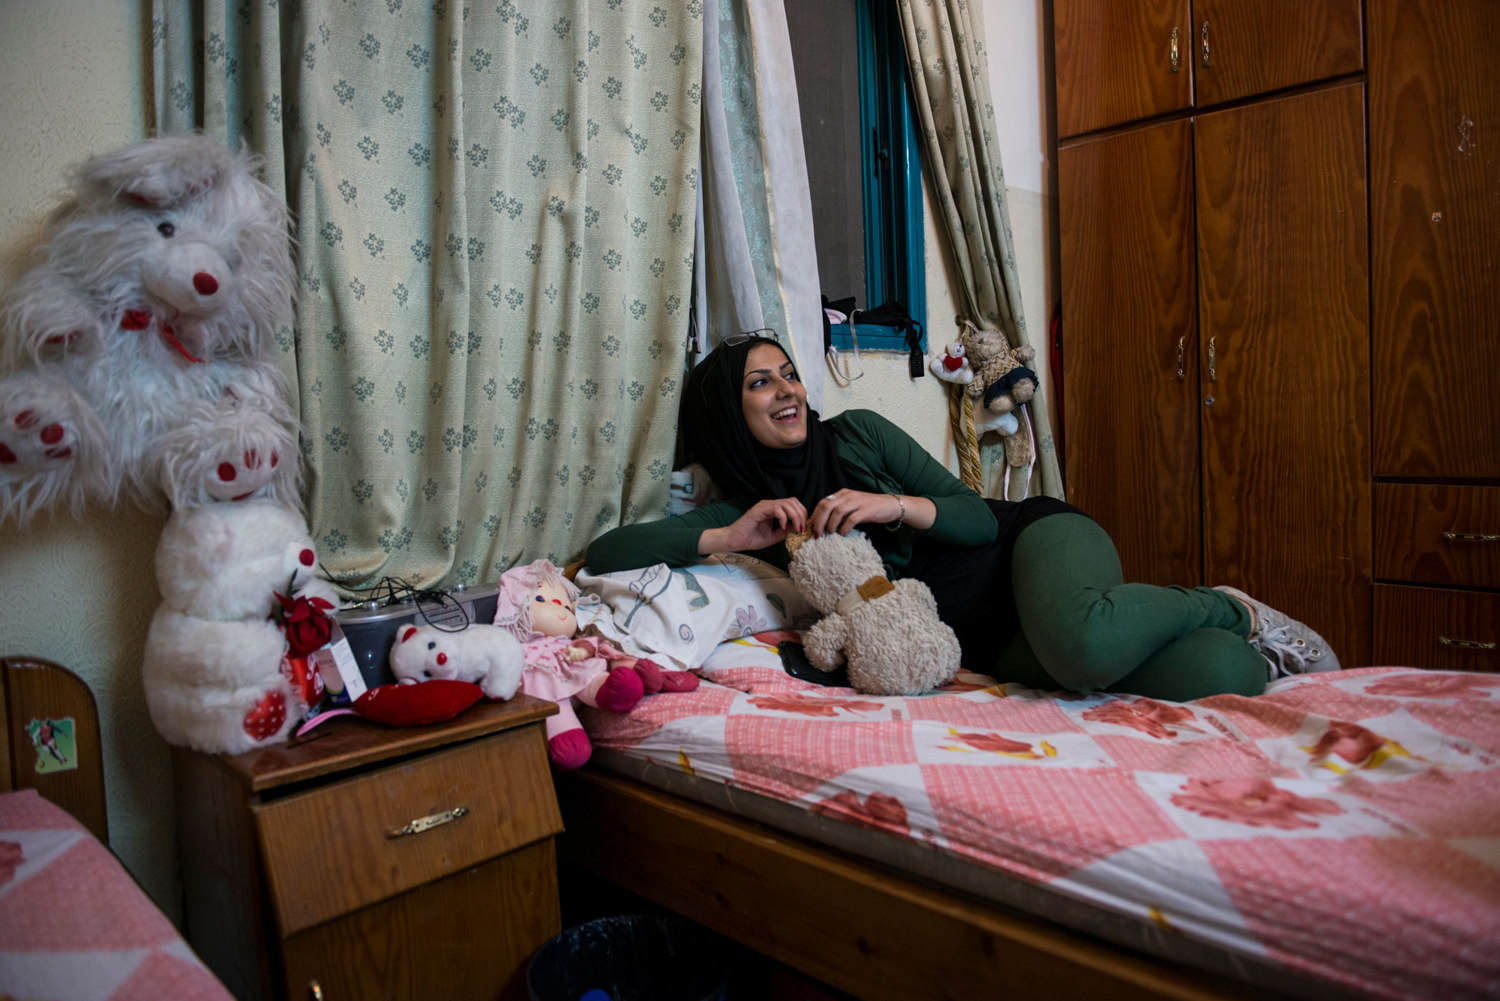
x: 161, y: 282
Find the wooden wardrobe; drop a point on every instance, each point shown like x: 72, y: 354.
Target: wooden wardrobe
x: 1223, y: 208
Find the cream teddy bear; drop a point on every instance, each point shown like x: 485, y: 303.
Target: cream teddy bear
x: 888, y: 632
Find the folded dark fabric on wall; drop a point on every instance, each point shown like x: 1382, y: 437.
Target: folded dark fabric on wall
x: 890, y: 314
x: 893, y: 314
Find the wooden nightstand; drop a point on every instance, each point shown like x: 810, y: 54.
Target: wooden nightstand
x: 296, y: 882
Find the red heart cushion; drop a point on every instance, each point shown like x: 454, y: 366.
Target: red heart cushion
x: 416, y: 705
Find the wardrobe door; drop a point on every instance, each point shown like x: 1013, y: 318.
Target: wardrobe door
x: 1115, y: 61
x: 1284, y: 331
x: 1244, y: 47
x: 1125, y: 208
x: 1435, y: 200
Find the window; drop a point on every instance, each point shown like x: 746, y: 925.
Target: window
x: 860, y: 132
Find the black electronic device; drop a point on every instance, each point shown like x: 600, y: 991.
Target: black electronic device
x: 371, y: 627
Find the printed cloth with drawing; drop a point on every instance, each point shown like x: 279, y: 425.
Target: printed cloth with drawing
x: 680, y: 615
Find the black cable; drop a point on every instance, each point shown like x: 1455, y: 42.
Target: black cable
x: 394, y: 591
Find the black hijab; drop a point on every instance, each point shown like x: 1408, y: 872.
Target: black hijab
x: 745, y: 471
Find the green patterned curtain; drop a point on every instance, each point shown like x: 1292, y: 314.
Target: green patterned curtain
x: 951, y: 80
x: 495, y: 209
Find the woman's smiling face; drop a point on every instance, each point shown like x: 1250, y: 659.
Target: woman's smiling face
x: 773, y: 398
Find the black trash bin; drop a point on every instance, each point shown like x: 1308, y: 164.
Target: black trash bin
x: 631, y: 958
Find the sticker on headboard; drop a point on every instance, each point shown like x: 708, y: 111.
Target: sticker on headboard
x: 56, y: 750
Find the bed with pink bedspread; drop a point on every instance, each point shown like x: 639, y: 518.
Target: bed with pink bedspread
x: 74, y: 924
x: 1336, y: 836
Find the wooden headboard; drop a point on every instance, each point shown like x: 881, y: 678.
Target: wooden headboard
x: 40, y: 691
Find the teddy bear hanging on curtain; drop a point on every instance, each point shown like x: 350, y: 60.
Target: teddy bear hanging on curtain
x: 989, y: 386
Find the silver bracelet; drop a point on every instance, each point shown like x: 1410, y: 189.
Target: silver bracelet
x: 900, y: 518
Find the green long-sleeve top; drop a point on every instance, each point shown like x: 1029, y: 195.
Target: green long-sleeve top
x: 875, y: 455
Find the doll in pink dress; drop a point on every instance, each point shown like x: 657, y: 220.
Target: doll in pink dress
x: 539, y: 606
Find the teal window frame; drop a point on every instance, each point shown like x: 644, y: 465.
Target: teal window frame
x: 895, y: 260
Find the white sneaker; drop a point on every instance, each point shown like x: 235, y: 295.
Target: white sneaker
x: 1291, y: 647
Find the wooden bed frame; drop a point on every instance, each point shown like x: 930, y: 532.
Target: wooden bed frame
x: 850, y: 924
x: 39, y: 689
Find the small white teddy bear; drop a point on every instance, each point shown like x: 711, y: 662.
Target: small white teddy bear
x: 953, y: 366
x: 888, y: 633
x: 487, y: 655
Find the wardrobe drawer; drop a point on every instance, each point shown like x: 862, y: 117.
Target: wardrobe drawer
x: 1437, y: 533
x: 332, y: 850
x: 1436, y: 628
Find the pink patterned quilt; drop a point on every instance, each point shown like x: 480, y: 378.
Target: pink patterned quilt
x: 74, y: 924
x: 1343, y: 826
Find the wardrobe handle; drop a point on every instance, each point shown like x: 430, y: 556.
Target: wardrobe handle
x: 314, y: 991
x: 1205, y: 44
x: 1470, y: 537
x: 1181, y: 351
x: 1176, y: 56
x: 1213, y: 363
x: 1466, y: 644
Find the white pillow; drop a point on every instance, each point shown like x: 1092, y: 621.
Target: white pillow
x: 677, y: 616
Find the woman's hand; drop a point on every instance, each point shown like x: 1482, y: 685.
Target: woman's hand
x: 845, y: 510
x: 765, y: 524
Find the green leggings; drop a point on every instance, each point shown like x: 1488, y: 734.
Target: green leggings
x: 1084, y: 629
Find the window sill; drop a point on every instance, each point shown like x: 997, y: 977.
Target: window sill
x: 872, y: 337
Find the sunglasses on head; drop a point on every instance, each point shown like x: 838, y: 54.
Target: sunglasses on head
x: 767, y: 332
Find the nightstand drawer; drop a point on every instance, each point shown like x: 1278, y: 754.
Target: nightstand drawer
x: 1436, y: 628
x: 328, y: 851
x: 1438, y: 533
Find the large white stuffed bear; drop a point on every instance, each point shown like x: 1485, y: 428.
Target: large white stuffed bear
x: 214, y: 670
x: 161, y: 282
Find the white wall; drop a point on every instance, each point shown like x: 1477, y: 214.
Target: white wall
x: 74, y: 76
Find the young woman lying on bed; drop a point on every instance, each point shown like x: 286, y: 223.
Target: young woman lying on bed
x: 1033, y: 588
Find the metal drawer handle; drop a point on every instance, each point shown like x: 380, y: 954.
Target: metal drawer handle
x: 428, y: 822
x: 1470, y: 537
x: 1176, y: 59
x: 1466, y: 644
x: 1181, y: 352
x: 315, y: 990
x: 1205, y: 45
